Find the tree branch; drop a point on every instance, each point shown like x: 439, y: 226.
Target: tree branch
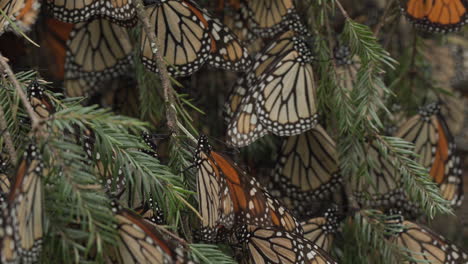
x: 35, y: 120
x: 169, y: 98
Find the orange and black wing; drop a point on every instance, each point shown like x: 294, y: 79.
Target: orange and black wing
x: 437, y: 15
x: 141, y: 242
x: 245, y: 201
x: 436, y: 148
x: 188, y: 37
x: 22, y: 227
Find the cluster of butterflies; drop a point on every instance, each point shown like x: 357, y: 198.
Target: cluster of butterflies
x: 98, y: 48
x: 276, y: 95
x: 238, y: 210
x: 138, y: 217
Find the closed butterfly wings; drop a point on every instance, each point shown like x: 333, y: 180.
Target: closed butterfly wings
x: 436, y: 149
x: 269, y: 245
x: 279, y: 93
x: 286, y: 101
x: 142, y: 242
x: 307, y: 169
x: 21, y: 229
x: 423, y: 245
x: 209, y: 183
x: 228, y: 197
x: 189, y: 36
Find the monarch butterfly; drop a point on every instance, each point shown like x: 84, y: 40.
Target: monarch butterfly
x: 97, y: 51
x: 307, y: 168
x: 269, y: 17
x: 285, y: 93
x: 142, y: 242
x: 272, y: 245
x: 423, y: 245
x: 280, y: 93
x: 21, y: 230
x: 321, y: 230
x: 39, y: 100
x: 436, y: 148
x: 229, y: 197
x: 23, y: 12
x: 189, y: 36
x: 437, y: 15
x: 263, y: 61
x: 121, y: 12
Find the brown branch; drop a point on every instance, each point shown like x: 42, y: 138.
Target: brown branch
x: 6, y: 135
x: 169, y: 98
x: 383, y: 18
x: 35, y: 120
x: 343, y: 11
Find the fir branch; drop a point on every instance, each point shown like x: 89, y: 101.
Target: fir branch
x: 76, y: 204
x: 171, y: 113
x: 6, y: 135
x: 416, y: 180
x: 363, y: 42
x: 35, y: 120
x: 209, y: 254
x: 372, y: 229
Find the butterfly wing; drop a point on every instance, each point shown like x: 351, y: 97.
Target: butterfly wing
x: 270, y: 245
x: 248, y: 202
x: 23, y: 215
x: 307, y: 169
x: 424, y: 245
x: 141, y: 242
x: 436, y: 148
x: 437, y: 15
x: 269, y: 17
x: 121, y: 12
x: 286, y: 92
x: 321, y: 230
x: 208, y: 189
x: 189, y: 36
x: 98, y: 51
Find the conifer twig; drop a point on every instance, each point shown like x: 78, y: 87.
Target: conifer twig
x: 35, y: 120
x: 352, y: 202
x: 169, y: 98
x: 6, y: 135
x: 343, y: 11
